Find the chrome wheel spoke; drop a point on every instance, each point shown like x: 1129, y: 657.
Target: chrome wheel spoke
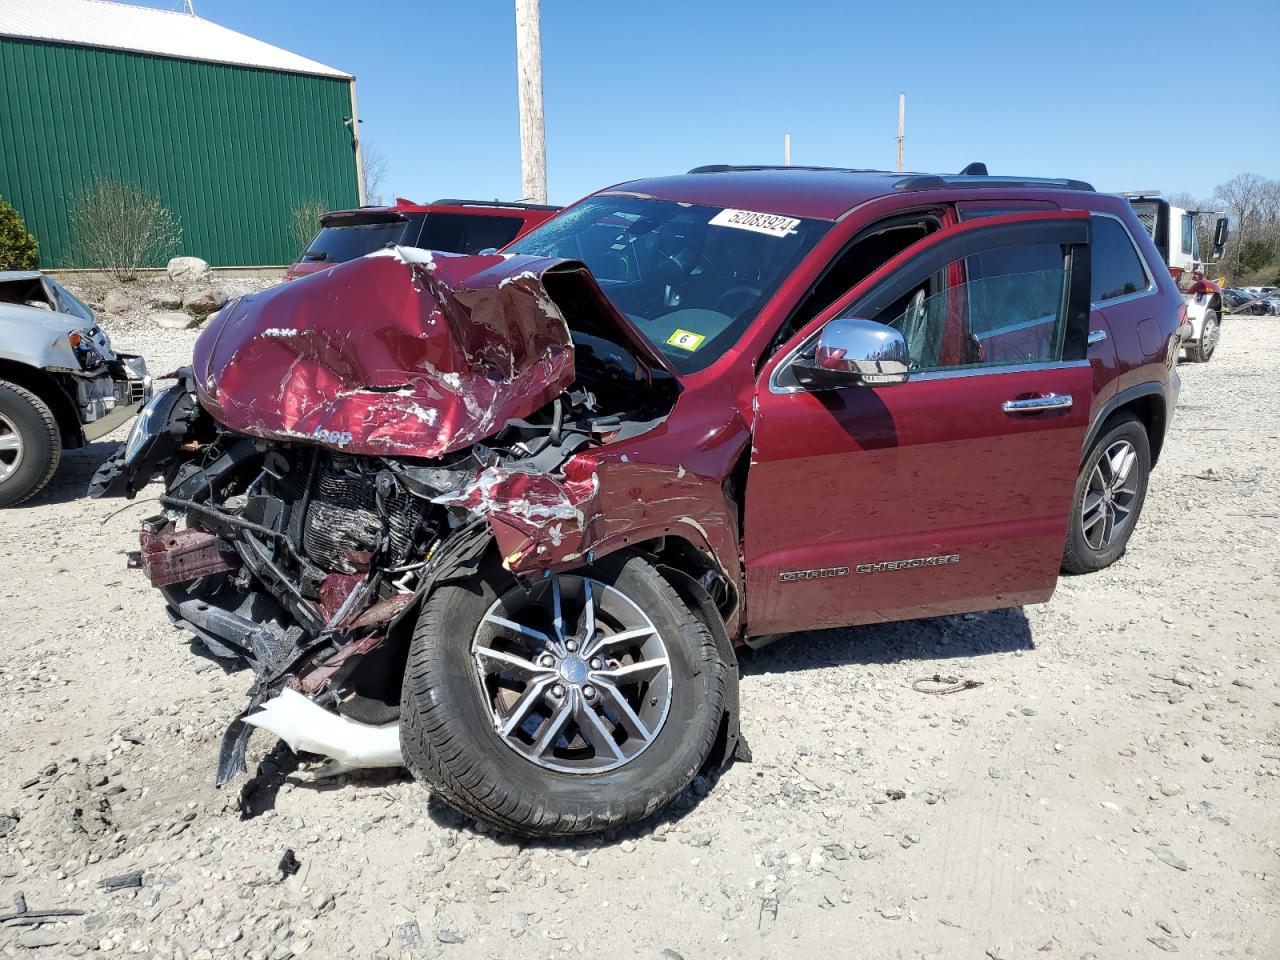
x: 519, y: 712
x: 587, y: 625
x: 509, y: 662
x: 644, y: 671
x: 592, y: 729
x: 9, y: 442
x: 602, y: 643
x: 553, y: 727
x: 518, y: 628
x: 557, y: 610
x: 626, y: 715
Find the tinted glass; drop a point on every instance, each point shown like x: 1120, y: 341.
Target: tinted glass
x: 1117, y: 271
x: 340, y: 244
x: 484, y: 233
x: 1010, y: 310
x: 689, y: 279
x: 1189, y: 235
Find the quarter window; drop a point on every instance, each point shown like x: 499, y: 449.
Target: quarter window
x: 1117, y: 269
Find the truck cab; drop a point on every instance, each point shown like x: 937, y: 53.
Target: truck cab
x: 1173, y: 230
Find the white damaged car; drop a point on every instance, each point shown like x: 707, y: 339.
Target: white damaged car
x: 61, y: 384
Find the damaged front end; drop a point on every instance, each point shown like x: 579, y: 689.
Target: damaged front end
x: 345, y: 444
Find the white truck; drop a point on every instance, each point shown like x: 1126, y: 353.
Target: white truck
x: 1174, y: 231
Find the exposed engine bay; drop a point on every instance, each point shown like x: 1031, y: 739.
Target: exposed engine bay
x: 299, y: 530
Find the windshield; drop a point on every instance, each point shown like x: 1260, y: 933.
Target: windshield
x: 340, y: 244
x: 690, y: 277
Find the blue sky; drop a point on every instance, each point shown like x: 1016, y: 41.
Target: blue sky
x: 1104, y: 92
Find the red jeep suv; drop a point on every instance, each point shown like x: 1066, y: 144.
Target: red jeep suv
x: 509, y: 528
x: 455, y: 226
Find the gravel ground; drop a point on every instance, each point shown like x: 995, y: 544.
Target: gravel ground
x: 1110, y: 790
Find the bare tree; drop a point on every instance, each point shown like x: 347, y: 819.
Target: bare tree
x: 304, y: 222
x: 1253, y: 203
x: 120, y: 228
x: 374, y: 170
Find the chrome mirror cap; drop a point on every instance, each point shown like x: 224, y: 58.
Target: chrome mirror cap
x: 855, y: 352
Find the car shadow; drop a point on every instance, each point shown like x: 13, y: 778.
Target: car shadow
x: 933, y: 638
x: 75, y: 470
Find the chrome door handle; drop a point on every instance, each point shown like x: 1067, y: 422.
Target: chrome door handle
x: 1097, y: 336
x: 1050, y: 401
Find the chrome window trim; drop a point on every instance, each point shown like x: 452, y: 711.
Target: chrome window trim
x: 1151, y: 287
x: 953, y: 373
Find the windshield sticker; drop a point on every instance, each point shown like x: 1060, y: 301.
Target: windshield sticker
x: 686, y: 340
x: 766, y: 223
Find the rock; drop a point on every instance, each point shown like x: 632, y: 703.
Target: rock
x: 167, y: 300
x: 117, y: 301
x: 1182, y: 679
x: 1166, y: 855
x: 1163, y: 943
x: 1207, y: 757
x: 188, y: 271
x: 669, y: 954
x: 174, y: 320
x: 34, y: 939
x: 448, y: 936
x: 201, y: 303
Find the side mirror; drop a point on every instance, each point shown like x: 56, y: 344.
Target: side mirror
x: 1220, y: 231
x: 854, y: 353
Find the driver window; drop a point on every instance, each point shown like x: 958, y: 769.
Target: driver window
x: 1003, y: 306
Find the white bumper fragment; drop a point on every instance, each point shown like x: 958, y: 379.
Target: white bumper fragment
x: 305, y: 725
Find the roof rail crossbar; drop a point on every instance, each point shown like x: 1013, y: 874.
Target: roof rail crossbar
x: 934, y: 182
x: 518, y: 204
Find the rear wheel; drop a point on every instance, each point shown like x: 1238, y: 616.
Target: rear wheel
x: 1110, y: 490
x: 583, y: 702
x: 1203, y: 349
x: 30, y: 445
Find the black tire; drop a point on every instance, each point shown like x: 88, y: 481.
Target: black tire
x: 447, y: 730
x: 1080, y: 556
x: 1202, y: 349
x: 31, y: 419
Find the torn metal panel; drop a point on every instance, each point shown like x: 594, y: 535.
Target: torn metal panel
x: 409, y: 353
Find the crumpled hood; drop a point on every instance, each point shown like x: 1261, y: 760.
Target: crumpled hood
x: 401, y: 353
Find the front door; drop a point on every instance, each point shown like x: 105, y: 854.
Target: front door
x: 951, y: 491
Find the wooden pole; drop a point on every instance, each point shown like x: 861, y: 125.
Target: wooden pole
x: 786, y: 149
x: 533, y: 144
x: 902, y: 125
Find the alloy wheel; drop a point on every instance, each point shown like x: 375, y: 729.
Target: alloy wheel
x: 1109, y: 499
x: 10, y: 448
x: 576, y: 676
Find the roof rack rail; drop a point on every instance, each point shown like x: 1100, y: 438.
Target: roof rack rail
x: 929, y: 181
x: 521, y: 204
x: 740, y: 168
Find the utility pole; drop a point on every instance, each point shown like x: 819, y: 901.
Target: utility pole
x: 533, y: 142
x: 902, y: 125
x: 786, y: 149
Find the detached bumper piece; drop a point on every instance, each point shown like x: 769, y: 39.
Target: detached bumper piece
x: 111, y: 400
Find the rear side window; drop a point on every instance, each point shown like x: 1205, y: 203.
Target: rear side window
x: 340, y: 244
x: 459, y: 233
x: 1117, y: 267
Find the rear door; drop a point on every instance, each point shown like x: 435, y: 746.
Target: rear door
x: 949, y: 492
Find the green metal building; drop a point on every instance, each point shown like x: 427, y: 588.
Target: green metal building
x: 232, y: 134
